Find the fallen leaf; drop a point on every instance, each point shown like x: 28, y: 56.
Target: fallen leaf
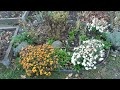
x: 23, y: 76
x: 70, y: 75
x: 76, y: 75
x: 114, y: 55
x: 66, y: 78
x: 113, y: 58
x: 7, y: 38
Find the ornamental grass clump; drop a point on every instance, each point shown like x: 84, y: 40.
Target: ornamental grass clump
x: 88, y: 54
x: 59, y: 16
x: 38, y: 60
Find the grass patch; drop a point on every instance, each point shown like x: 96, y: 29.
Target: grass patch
x: 16, y: 74
x: 111, y: 70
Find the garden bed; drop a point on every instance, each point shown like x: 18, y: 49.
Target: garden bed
x: 72, y: 34
x: 82, y: 69
x: 6, y: 43
x: 38, y: 30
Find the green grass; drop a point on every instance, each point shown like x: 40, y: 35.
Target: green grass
x: 9, y: 73
x: 109, y: 70
x: 16, y: 74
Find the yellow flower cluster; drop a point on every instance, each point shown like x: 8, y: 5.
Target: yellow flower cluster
x: 59, y: 16
x: 38, y: 60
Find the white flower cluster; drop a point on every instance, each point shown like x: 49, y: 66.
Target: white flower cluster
x: 100, y: 25
x: 88, y: 54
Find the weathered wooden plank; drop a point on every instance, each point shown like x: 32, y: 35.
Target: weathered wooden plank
x: 7, y: 57
x: 14, y: 20
x: 25, y: 15
x: 8, y: 28
x: 9, y: 20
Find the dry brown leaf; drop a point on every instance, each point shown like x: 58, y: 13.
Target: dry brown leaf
x: 76, y: 75
x: 70, y: 75
x: 23, y: 76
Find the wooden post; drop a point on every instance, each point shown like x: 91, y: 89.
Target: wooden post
x: 25, y: 16
x: 112, y: 19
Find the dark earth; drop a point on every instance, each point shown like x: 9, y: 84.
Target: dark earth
x: 5, y: 38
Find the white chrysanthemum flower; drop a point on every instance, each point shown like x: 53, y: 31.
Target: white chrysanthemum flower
x: 95, y: 50
x: 100, y: 25
x: 96, y: 56
x: 90, y: 60
x: 78, y: 62
x: 86, y: 68
x: 73, y: 60
x: 84, y: 64
x: 94, y: 62
x: 102, y: 54
x: 88, y: 24
x: 103, y: 45
x: 101, y: 59
x: 97, y: 27
x: 78, y: 55
x: 87, y: 63
x: 88, y: 52
x: 94, y: 67
x: 90, y: 55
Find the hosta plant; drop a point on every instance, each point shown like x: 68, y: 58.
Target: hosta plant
x: 38, y: 60
x: 88, y: 54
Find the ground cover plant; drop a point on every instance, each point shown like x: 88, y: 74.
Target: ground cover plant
x: 50, y: 42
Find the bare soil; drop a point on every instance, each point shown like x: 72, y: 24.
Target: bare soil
x: 5, y: 38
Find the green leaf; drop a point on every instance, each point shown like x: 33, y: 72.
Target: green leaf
x: 107, y: 44
x: 83, y: 37
x: 18, y: 58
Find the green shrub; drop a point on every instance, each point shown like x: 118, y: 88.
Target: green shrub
x: 50, y: 41
x: 83, y: 38
x: 63, y: 57
x: 25, y: 36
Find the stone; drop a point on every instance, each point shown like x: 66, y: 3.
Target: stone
x: 118, y: 48
x: 6, y: 62
x: 57, y: 44
x: 19, y: 47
